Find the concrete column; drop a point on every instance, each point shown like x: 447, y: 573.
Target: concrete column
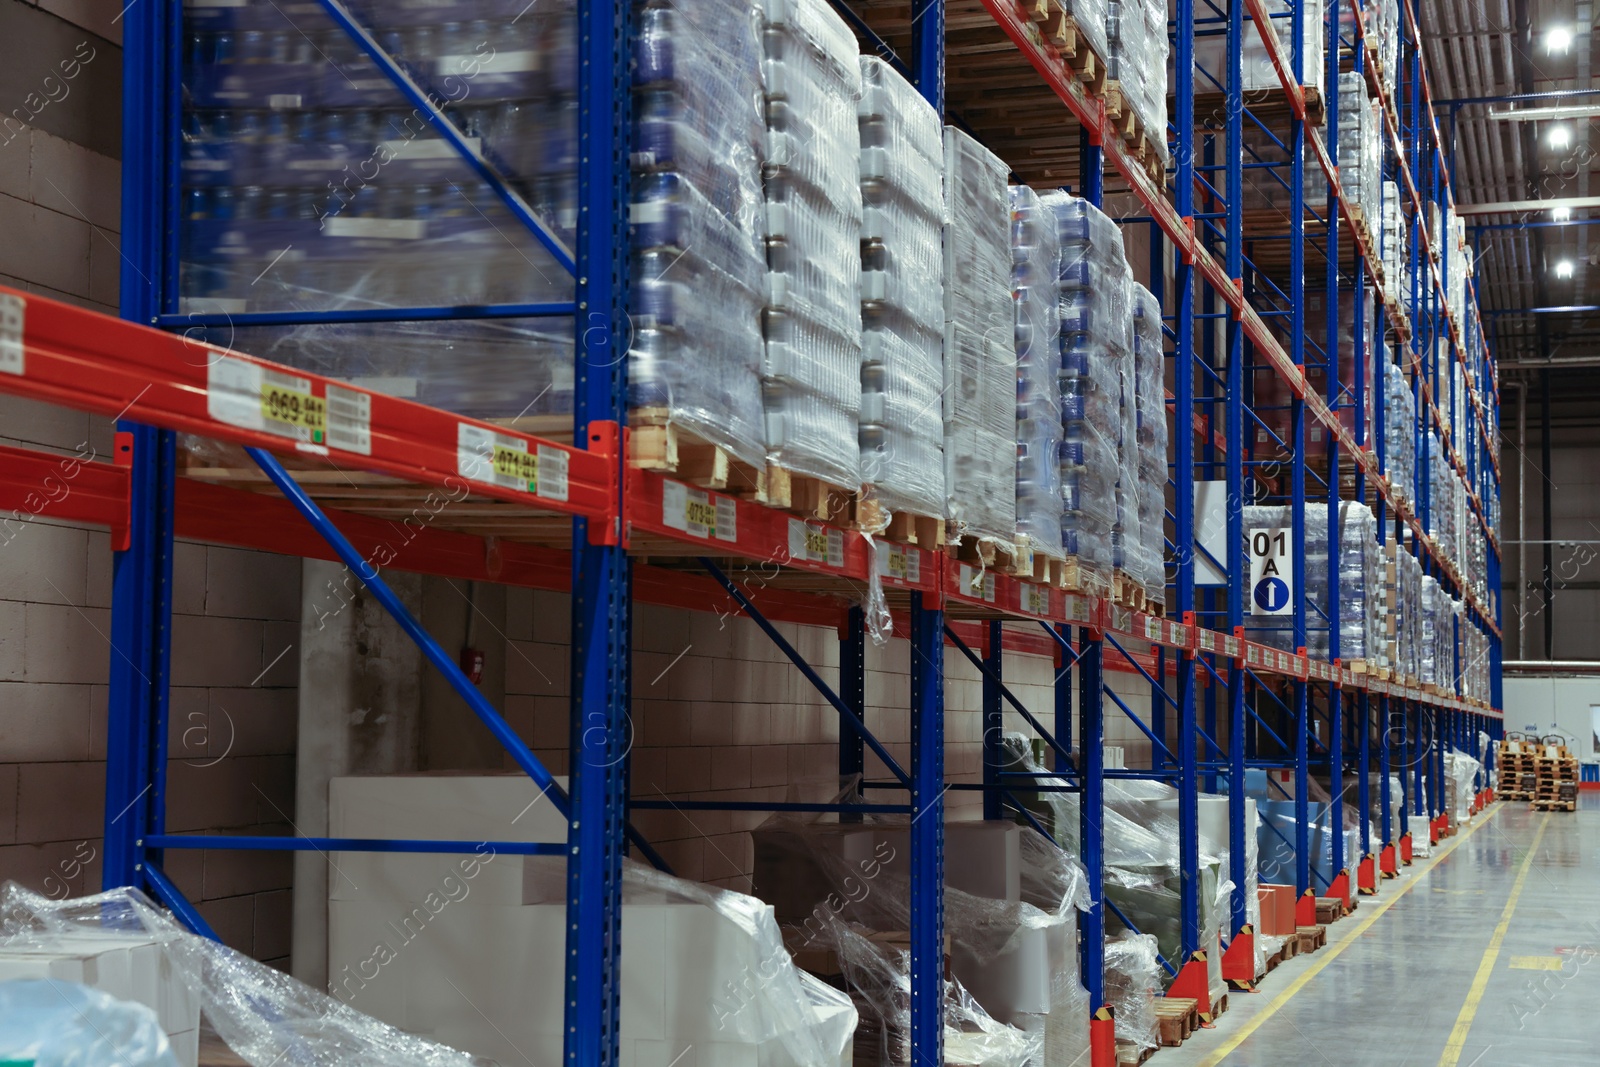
x: 360, y: 713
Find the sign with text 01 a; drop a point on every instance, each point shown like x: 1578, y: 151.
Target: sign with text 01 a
x: 1271, y: 571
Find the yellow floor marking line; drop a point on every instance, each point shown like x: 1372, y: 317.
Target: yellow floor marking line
x: 1535, y: 963
x: 1327, y: 955
x: 1458, y: 1036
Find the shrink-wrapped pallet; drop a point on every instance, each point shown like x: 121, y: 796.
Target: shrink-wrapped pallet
x: 1096, y: 344
x: 1035, y: 262
x: 902, y: 295
x: 1136, y: 34
x: 811, y: 374
x: 1151, y: 398
x: 698, y: 266
x: 1360, y: 570
x: 980, y: 380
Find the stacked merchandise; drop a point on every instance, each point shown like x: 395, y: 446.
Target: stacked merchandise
x: 1149, y: 375
x: 1035, y: 261
x: 1474, y: 661
x: 1136, y: 33
x: 1360, y: 151
x: 699, y: 270
x: 1383, y: 31
x: 1353, y: 410
x: 1394, y: 244
x: 980, y: 381
x: 1443, y: 503
x: 1399, y: 432
x: 1360, y: 569
x: 1431, y: 664
x: 1257, y: 72
x: 1096, y: 343
x: 1402, y: 607
x: 1127, y: 534
x: 902, y: 295
x: 309, y: 184
x: 811, y: 177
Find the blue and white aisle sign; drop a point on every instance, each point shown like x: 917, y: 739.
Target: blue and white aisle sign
x: 1271, y: 572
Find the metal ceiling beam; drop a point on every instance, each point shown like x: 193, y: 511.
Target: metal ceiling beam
x: 1512, y: 207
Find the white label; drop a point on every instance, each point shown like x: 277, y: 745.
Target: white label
x: 899, y: 562
x: 428, y: 148
x: 390, y: 229
x: 11, y: 350
x: 1152, y: 629
x: 1271, y: 572
x: 492, y: 62
x: 1035, y: 598
x: 253, y: 397
x: 505, y: 460
x: 977, y: 583
x: 284, y: 101
x: 816, y: 543
x: 349, y: 420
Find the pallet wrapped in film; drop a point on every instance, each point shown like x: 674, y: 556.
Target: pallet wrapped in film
x: 1133, y: 977
x: 699, y: 268
x: 1360, y: 578
x: 259, y: 1013
x: 1136, y: 37
x: 309, y: 184
x: 1014, y: 993
x: 1149, y: 358
x: 902, y: 294
x: 980, y: 378
x: 1096, y: 349
x: 1035, y: 264
x: 811, y: 180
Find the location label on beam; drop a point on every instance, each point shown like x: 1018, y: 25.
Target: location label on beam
x: 1271, y: 572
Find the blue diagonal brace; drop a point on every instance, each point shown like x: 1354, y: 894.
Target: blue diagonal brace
x: 983, y: 669
x: 419, y: 98
x: 811, y: 675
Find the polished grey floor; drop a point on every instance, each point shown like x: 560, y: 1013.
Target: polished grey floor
x: 1390, y: 992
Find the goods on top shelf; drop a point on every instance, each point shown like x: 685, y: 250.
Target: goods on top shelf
x: 1096, y: 341
x: 980, y: 394
x: 811, y: 375
x: 1036, y: 261
x: 699, y: 270
x: 1136, y: 32
x: 902, y: 294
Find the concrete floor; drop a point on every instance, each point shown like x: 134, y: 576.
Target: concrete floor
x: 1452, y: 972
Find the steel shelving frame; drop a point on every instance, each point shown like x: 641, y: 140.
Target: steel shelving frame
x: 593, y: 513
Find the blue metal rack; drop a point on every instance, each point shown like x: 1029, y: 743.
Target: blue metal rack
x: 1283, y: 712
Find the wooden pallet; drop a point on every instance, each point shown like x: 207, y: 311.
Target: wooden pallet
x: 900, y: 526
x: 656, y: 443
x: 1075, y: 579
x: 1330, y: 910
x: 1139, y: 139
x: 1126, y: 591
x: 1555, y: 805
x: 1177, y: 1018
x: 1031, y: 565
x: 1311, y: 938
x: 1060, y: 30
x: 1131, y: 1055
x: 986, y: 554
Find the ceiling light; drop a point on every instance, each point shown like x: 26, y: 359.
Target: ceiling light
x: 1558, y: 40
x: 1560, y: 137
x: 1561, y: 214
x: 1564, y: 269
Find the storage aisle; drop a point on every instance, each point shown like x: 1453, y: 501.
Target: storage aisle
x: 1480, y: 954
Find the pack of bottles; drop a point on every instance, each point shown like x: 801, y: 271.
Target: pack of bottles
x: 1035, y: 265
x: 1148, y: 564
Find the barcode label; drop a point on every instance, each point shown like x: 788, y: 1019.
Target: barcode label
x: 253, y: 397
x: 900, y: 563
x: 12, y: 310
x: 349, y: 420
x: 977, y: 583
x: 816, y: 543
x: 510, y: 462
x: 698, y: 513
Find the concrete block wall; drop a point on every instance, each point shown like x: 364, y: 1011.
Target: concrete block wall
x: 719, y: 713
x: 233, y: 702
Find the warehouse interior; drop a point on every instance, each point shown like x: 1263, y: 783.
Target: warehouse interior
x: 798, y: 533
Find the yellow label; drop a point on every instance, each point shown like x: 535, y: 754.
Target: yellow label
x: 294, y: 408
x: 816, y: 543
x: 523, y: 466
x: 897, y: 564
x: 700, y: 513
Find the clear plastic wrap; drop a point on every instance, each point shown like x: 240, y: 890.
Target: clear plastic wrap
x: 1151, y: 400
x: 1096, y: 348
x: 1133, y: 981
x: 1461, y: 772
x: 53, y: 1023
x: 811, y: 176
x: 1359, y: 613
x: 262, y: 1014
x: 1136, y: 37
x: 980, y: 379
x: 1036, y: 258
x: 1014, y: 959
x: 902, y: 294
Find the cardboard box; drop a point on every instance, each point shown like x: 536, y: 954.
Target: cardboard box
x: 1277, y: 920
